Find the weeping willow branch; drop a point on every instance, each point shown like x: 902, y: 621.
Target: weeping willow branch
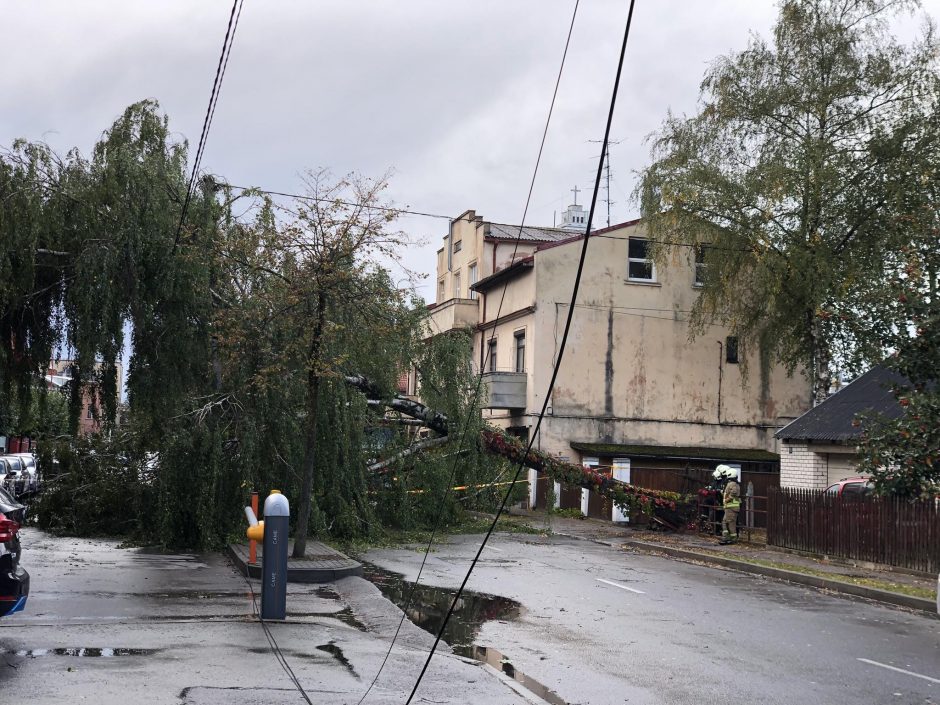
x: 497, y: 442
x: 417, y: 447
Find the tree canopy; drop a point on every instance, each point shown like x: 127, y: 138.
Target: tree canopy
x: 243, y: 326
x: 794, y: 182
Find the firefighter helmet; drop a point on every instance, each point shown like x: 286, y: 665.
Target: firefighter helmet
x: 724, y: 472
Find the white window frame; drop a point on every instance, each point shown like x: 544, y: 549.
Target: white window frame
x: 473, y: 273
x: 491, y: 355
x: 698, y: 267
x: 456, y: 285
x: 644, y: 260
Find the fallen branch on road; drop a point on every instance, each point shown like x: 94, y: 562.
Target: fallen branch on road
x: 496, y: 441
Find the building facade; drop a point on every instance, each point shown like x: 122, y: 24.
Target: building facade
x: 634, y: 394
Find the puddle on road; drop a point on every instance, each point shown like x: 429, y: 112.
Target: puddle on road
x: 495, y: 659
x: 430, y: 604
x: 81, y: 652
x: 333, y: 650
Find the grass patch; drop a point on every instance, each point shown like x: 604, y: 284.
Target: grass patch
x: 887, y: 585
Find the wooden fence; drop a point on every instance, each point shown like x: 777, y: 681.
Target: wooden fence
x: 884, y: 530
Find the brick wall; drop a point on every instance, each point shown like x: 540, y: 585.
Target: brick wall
x: 801, y: 467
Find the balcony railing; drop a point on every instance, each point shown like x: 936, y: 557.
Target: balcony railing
x: 454, y: 313
x: 505, y: 390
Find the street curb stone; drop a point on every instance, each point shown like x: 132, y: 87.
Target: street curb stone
x: 323, y: 564
x: 894, y: 598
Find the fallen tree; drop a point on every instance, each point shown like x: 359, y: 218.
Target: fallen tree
x: 496, y: 441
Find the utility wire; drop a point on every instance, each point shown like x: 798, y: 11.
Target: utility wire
x: 276, y: 650
x: 234, y: 15
x: 472, y: 406
x: 561, y: 351
x: 441, y: 216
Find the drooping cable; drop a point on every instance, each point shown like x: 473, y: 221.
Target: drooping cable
x: 560, y: 357
x: 472, y: 406
x: 272, y: 642
x: 442, y: 216
x: 233, y: 18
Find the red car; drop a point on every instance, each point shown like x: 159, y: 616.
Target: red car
x: 14, y: 581
x: 851, y: 486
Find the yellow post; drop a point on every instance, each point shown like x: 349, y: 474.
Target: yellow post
x: 252, y: 544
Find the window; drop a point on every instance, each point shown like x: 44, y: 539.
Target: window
x: 520, y: 351
x: 491, y: 355
x: 731, y: 349
x: 440, y: 291
x: 90, y: 414
x: 458, y: 244
x: 456, y: 285
x: 472, y: 279
x: 700, y: 265
x: 639, y: 266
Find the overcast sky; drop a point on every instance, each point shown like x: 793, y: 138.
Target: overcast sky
x: 451, y: 95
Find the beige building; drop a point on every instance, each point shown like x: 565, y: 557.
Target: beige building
x: 633, y: 394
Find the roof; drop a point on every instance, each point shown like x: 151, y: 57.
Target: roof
x: 832, y: 419
x: 574, y: 237
x: 503, y: 274
x: 502, y: 231
x: 677, y: 452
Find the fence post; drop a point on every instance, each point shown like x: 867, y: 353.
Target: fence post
x: 749, y: 516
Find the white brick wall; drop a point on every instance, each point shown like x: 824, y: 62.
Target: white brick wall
x: 801, y: 467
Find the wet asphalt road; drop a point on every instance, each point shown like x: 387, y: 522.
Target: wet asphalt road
x: 601, y: 625
x: 597, y: 625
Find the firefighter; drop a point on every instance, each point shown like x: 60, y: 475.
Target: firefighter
x: 731, y: 499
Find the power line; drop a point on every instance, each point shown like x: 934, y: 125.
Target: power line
x: 472, y: 405
x: 441, y: 216
x: 233, y: 18
x: 574, y: 295
x: 272, y: 642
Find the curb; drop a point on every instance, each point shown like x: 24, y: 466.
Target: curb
x: 313, y: 574
x: 921, y: 604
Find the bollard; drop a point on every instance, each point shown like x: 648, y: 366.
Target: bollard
x: 252, y: 544
x: 274, y: 557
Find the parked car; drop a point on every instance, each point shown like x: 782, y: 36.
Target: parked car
x: 851, y: 487
x: 13, y: 475
x: 29, y: 462
x: 14, y: 580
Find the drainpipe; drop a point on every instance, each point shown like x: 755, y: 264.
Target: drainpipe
x: 721, y: 353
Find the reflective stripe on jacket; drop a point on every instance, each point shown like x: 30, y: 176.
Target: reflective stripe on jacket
x: 731, y: 498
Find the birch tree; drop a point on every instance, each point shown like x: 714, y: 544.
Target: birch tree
x: 790, y: 181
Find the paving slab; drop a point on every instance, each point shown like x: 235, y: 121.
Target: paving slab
x: 321, y: 564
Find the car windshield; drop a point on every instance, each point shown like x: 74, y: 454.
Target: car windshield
x: 832, y: 489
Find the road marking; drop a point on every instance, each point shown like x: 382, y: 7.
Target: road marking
x: 493, y: 548
x: 900, y: 670
x: 622, y: 587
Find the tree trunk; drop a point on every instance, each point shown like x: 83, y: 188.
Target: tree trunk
x: 822, y: 361
x: 310, y: 441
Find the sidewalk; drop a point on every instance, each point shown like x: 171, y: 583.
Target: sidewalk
x: 321, y: 564
x: 892, y: 586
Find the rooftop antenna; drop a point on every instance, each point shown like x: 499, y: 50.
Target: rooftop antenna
x: 607, y: 173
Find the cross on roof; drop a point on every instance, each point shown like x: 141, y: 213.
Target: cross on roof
x: 575, y: 190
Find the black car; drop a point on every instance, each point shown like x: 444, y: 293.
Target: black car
x: 14, y: 581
